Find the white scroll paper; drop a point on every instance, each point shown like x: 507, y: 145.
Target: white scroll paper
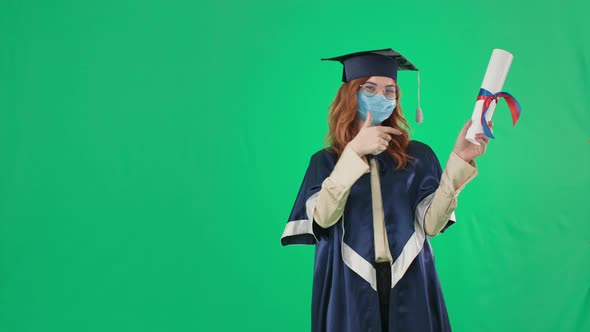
x: 493, y: 81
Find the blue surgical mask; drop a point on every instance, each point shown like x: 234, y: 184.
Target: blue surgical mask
x: 379, y: 106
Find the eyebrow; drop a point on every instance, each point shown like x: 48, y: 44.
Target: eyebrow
x: 390, y: 85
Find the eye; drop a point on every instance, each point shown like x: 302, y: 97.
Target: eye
x: 370, y: 88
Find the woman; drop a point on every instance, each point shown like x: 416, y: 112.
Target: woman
x: 370, y: 201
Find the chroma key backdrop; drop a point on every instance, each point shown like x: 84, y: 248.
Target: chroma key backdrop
x: 151, y: 152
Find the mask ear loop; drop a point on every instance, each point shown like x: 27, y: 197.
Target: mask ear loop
x: 419, y: 114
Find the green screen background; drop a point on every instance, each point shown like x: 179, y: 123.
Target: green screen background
x: 151, y: 151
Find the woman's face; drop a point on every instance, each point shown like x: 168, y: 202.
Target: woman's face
x: 382, y: 85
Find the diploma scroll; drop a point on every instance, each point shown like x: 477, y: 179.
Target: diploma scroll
x: 493, y: 82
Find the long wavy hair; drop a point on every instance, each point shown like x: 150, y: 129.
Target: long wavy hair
x: 343, y: 123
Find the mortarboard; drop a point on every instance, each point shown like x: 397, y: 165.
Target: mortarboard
x: 385, y: 62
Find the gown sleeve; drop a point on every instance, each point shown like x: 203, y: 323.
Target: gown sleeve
x: 426, y: 182
x: 455, y: 177
x: 301, y: 228
x: 333, y: 196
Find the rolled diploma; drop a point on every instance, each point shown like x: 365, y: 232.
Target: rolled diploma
x: 493, y: 81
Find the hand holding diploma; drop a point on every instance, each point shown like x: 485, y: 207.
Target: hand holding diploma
x: 465, y: 149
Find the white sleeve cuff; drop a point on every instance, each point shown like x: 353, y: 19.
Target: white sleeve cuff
x: 349, y: 168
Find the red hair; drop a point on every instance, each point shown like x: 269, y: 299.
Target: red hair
x: 343, y: 123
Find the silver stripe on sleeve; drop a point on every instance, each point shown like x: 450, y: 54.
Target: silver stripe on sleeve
x: 303, y: 226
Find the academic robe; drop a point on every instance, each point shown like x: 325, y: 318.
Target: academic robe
x: 344, y: 297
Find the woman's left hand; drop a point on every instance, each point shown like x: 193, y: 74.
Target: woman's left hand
x: 467, y: 150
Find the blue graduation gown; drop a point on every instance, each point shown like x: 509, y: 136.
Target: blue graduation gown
x: 344, y: 297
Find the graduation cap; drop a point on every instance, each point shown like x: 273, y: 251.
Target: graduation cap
x: 385, y: 62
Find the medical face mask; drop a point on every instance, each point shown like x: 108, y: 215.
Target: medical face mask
x: 380, y: 107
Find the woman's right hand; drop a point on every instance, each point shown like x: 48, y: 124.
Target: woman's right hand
x: 372, y: 140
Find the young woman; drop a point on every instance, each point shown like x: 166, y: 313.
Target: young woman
x: 370, y: 201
